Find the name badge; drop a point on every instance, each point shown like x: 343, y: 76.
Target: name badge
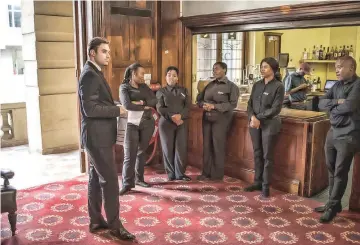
x: 219, y: 92
x: 135, y: 91
x: 266, y: 93
x: 183, y: 94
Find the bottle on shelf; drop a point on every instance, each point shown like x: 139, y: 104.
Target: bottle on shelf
x: 317, y: 53
x: 313, y: 57
x: 331, y: 56
x: 351, y: 51
x: 343, y: 52
x: 321, y: 53
x: 305, y: 55
x: 339, y: 52
x: 336, y: 53
x: 347, y: 50
x: 327, y: 56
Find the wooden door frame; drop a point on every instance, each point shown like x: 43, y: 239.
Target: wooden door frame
x: 310, y: 15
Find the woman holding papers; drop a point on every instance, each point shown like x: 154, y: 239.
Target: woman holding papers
x: 173, y: 106
x: 137, y: 99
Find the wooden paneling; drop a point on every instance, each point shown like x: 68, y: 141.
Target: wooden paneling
x: 134, y: 38
x: 354, y: 203
x: 293, y: 152
x: 316, y: 157
x: 171, y: 37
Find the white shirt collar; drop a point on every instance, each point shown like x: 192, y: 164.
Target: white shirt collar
x: 96, y: 65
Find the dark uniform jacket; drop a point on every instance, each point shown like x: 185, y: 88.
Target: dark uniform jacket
x: 345, y: 117
x: 97, y: 108
x: 265, y: 104
x: 173, y: 100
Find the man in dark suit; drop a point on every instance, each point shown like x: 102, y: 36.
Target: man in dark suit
x: 98, y: 136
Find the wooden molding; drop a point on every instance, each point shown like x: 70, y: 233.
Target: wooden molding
x: 285, y: 13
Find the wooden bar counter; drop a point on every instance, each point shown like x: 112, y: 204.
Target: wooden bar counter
x: 299, y: 165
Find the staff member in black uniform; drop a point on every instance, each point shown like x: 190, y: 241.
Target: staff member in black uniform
x: 264, y: 106
x: 135, y: 95
x: 98, y: 136
x: 342, y: 102
x: 173, y: 106
x: 219, y: 98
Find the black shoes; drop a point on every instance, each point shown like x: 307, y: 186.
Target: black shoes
x: 252, y: 188
x: 97, y: 227
x: 322, y: 209
x: 328, y: 215
x: 172, y: 178
x: 202, y: 178
x: 185, y: 178
x: 122, y: 234
x: 265, y: 192
x: 142, y: 184
x: 124, y: 190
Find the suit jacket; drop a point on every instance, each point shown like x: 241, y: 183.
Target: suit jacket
x: 98, y: 111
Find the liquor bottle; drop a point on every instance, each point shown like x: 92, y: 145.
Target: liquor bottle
x: 347, y: 50
x: 327, y: 56
x: 321, y: 53
x: 351, y: 51
x: 343, y: 52
x: 313, y: 57
x: 339, y: 52
x: 331, y: 53
x: 317, y: 52
x: 336, y: 53
x: 305, y: 54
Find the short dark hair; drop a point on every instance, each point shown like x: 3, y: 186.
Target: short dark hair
x: 172, y: 68
x: 95, y: 43
x: 222, y: 65
x: 350, y: 59
x: 306, y: 66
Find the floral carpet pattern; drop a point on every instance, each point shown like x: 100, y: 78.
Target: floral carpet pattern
x: 177, y: 213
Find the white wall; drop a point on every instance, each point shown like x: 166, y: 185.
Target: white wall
x: 191, y: 8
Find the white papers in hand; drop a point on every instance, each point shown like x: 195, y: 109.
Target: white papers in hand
x: 134, y: 117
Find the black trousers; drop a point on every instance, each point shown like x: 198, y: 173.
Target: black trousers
x: 263, y: 141
x: 103, y: 184
x: 174, y: 146
x: 339, y: 155
x: 214, y: 143
x: 136, y: 142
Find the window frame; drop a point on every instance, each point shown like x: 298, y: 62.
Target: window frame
x: 11, y: 11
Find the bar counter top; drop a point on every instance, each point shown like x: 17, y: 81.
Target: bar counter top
x: 290, y: 113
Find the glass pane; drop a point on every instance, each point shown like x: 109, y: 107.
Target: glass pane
x: 10, y: 19
x: 9, y: 7
x: 17, y: 19
x: 17, y: 7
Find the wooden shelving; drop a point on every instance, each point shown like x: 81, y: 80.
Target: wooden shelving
x: 320, y: 61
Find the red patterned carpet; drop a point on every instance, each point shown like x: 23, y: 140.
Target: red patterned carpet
x: 178, y: 213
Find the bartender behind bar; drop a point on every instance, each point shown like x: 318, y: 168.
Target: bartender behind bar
x: 296, y: 88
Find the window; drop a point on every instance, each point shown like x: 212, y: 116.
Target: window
x: 225, y: 47
x: 14, y: 16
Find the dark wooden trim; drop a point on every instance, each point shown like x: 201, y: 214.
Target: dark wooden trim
x: 131, y: 11
x: 285, y: 13
x: 80, y: 16
x: 303, y: 24
x: 273, y: 34
x: 98, y: 18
